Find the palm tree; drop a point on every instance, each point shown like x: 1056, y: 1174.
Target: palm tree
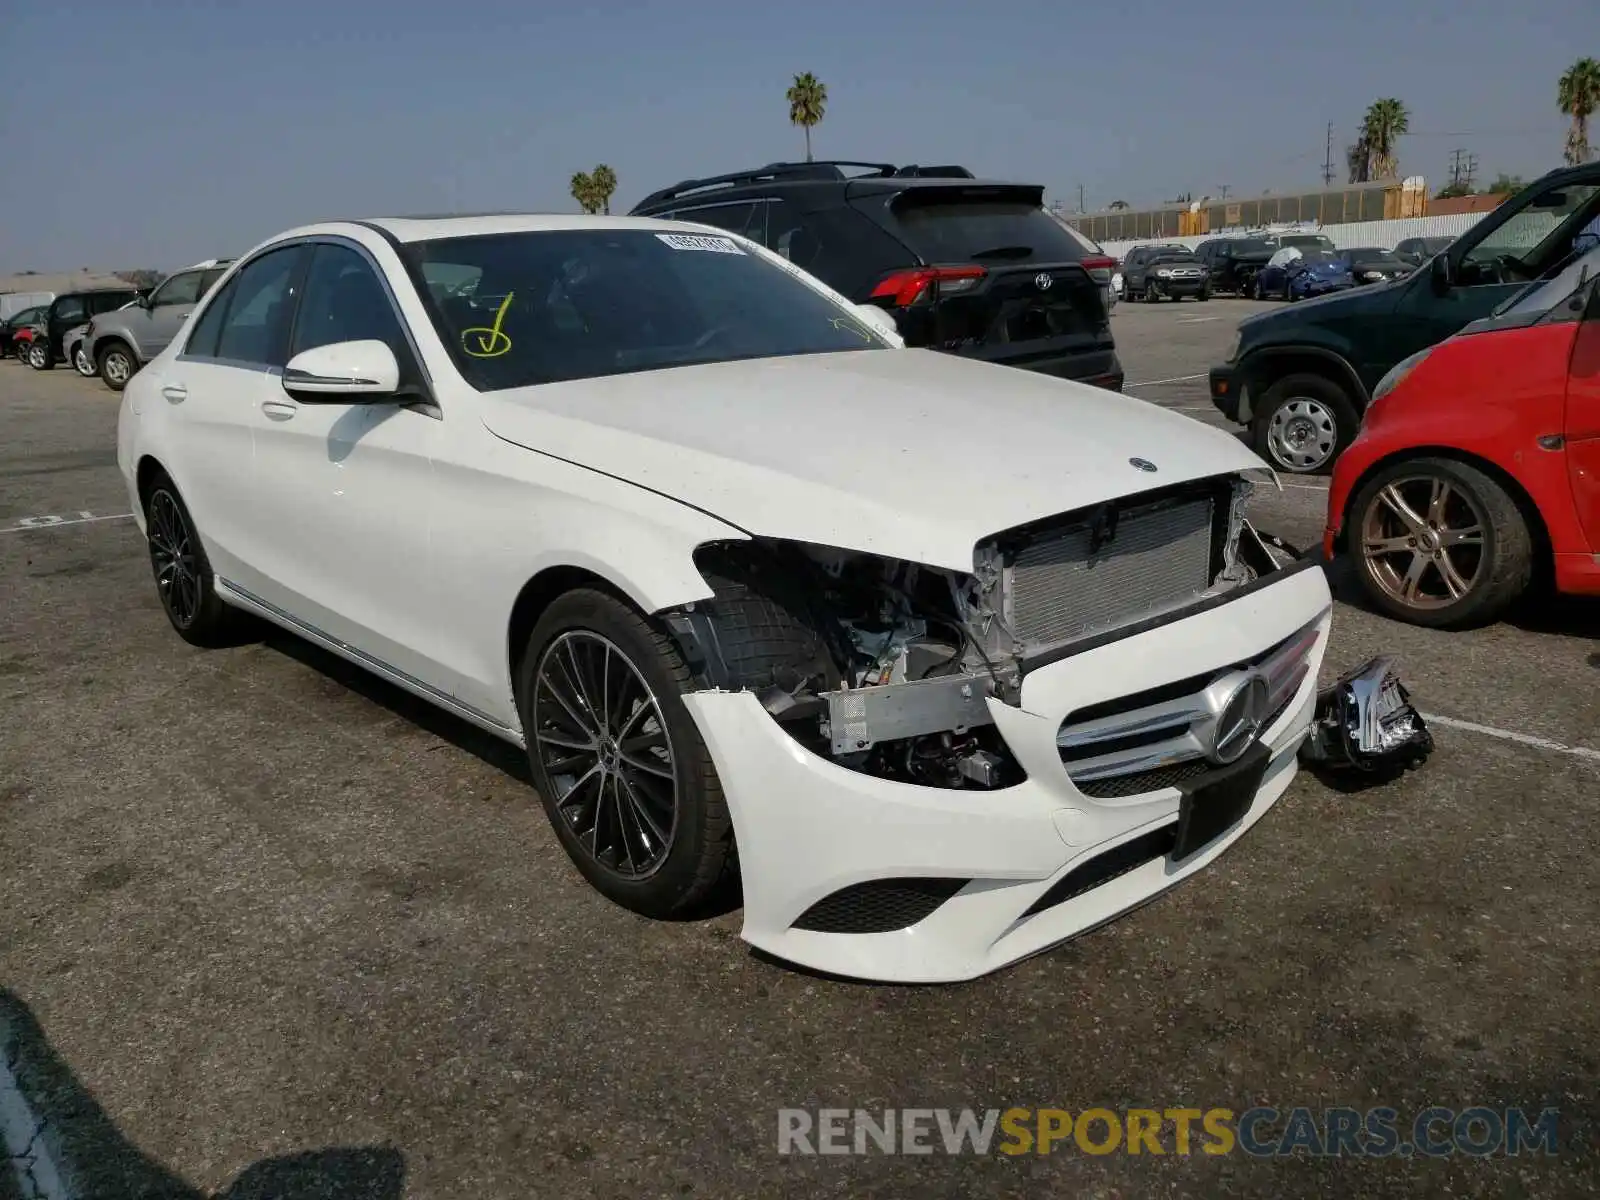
x: 604, y: 180
x: 808, y: 101
x: 1358, y: 158
x: 1385, y: 121
x: 586, y: 191
x: 1578, y: 94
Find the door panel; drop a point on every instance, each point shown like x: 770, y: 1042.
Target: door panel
x: 346, y: 489
x: 1583, y: 422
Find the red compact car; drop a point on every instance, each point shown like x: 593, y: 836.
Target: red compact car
x: 1478, y: 462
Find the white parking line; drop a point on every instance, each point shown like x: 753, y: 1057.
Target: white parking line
x: 1523, y: 739
x: 1196, y: 320
x: 55, y: 521
x: 1174, y: 379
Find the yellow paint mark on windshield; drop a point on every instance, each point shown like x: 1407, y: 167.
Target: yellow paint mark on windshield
x: 491, y: 342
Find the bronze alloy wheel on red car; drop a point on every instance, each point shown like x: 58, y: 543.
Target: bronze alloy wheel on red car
x: 1439, y: 543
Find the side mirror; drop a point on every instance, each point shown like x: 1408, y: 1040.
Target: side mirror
x: 1439, y: 273
x: 883, y: 321
x: 343, y: 373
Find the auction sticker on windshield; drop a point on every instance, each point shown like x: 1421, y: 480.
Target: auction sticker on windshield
x: 695, y: 241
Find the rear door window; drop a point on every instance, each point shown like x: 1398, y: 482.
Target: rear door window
x: 70, y: 310
x: 746, y: 218
x: 839, y: 246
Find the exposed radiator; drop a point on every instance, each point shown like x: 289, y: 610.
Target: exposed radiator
x: 1158, y: 558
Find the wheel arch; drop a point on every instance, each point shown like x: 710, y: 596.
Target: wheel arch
x: 104, y: 342
x: 1263, y: 368
x: 1520, y: 496
x: 148, y: 470
x: 536, y: 595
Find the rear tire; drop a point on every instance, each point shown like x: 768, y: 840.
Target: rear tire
x: 1205, y: 294
x: 1490, y: 569
x: 1303, y: 424
x: 184, y: 581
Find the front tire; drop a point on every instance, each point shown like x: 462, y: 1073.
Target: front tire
x: 619, y: 764
x: 1439, y: 543
x: 81, y: 362
x: 39, y: 357
x: 117, y: 366
x: 1304, y: 423
x: 184, y: 582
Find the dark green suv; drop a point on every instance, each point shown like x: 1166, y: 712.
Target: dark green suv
x: 1300, y: 376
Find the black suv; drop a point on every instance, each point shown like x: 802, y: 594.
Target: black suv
x: 68, y: 311
x: 1152, y: 272
x: 966, y: 266
x: 1301, y: 376
x: 1234, y: 262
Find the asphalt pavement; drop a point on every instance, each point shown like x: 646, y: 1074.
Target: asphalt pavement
x: 271, y: 927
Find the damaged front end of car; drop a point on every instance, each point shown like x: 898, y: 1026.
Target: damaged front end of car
x: 888, y: 667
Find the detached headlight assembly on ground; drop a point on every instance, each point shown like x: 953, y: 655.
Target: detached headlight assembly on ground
x: 1365, y: 723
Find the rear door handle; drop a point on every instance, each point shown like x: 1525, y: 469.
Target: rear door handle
x: 279, y: 410
x: 175, y: 392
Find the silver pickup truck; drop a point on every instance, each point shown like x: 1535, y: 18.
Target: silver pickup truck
x: 119, y: 343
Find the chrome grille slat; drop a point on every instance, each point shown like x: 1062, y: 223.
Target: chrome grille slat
x: 1164, y: 732
x: 1159, y: 558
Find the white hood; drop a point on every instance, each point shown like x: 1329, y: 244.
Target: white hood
x: 911, y: 454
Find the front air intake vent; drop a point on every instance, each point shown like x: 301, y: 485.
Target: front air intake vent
x: 878, y: 906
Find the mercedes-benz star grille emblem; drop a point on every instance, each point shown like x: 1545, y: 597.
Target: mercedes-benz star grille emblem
x: 1143, y: 464
x: 1042, y: 281
x: 1240, y: 719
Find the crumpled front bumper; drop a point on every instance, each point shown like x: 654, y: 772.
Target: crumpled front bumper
x: 807, y: 828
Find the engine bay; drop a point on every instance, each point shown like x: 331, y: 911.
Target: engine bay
x: 887, y: 667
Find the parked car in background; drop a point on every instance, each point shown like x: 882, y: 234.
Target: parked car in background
x: 72, y: 347
x: 1293, y: 274
x: 1415, y: 251
x: 67, y: 311
x: 13, y: 304
x: 976, y: 269
x: 1152, y: 273
x: 1477, y: 467
x: 121, y: 342
x: 1300, y: 241
x: 1372, y: 264
x: 1301, y: 376
x: 1233, y: 263
x: 18, y: 320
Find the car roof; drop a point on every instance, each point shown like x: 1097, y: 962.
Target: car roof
x: 427, y: 228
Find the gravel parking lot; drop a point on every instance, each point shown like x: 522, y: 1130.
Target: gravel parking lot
x: 261, y: 905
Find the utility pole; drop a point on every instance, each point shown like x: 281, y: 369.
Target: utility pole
x: 1080, y: 199
x: 1471, y: 170
x: 1455, y: 167
x: 1327, y: 161
x: 1225, y: 190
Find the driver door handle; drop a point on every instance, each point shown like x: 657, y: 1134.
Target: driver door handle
x: 279, y: 410
x: 175, y: 392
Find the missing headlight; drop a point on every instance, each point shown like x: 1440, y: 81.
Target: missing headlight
x: 871, y: 662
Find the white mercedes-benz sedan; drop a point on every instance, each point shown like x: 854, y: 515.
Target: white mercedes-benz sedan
x: 942, y: 662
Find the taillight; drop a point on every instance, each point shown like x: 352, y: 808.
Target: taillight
x: 905, y: 288
x: 1100, y: 268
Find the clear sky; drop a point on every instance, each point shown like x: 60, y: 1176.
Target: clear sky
x: 159, y: 132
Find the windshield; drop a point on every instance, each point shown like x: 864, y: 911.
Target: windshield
x: 1252, y: 246
x: 528, y: 308
x: 1434, y: 245
x: 1371, y: 255
x: 1321, y: 258
x: 1176, y: 255
x: 1306, y: 241
x: 1542, y: 297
